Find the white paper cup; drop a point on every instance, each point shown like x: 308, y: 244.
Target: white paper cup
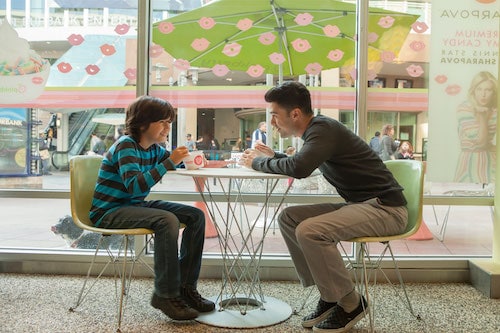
x: 194, y: 160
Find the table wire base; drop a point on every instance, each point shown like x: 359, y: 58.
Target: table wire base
x: 242, y: 228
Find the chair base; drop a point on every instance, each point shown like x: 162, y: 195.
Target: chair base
x: 363, y: 268
x: 123, y: 263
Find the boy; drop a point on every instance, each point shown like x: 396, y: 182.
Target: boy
x: 134, y: 164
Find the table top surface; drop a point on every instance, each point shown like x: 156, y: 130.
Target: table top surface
x: 240, y: 173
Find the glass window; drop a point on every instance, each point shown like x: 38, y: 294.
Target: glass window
x: 426, y: 89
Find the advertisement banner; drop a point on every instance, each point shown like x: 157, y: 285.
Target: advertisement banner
x: 13, y: 142
x: 463, y: 88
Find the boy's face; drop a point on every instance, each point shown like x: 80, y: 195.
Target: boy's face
x: 157, y: 131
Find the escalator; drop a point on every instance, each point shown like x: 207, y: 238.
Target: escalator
x: 80, y: 130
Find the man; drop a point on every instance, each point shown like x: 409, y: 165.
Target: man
x: 259, y: 135
x: 133, y: 165
x: 43, y: 149
x: 190, y: 144
x: 99, y: 147
x: 374, y: 203
x: 375, y: 142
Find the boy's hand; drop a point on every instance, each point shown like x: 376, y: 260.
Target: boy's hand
x: 178, y: 154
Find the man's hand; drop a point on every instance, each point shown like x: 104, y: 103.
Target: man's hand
x: 262, y: 149
x: 247, y: 157
x: 179, y: 154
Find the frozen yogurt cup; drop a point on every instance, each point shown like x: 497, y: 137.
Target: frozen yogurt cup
x: 23, y: 72
x: 194, y: 160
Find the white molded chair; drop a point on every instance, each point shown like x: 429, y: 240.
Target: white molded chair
x: 83, y: 177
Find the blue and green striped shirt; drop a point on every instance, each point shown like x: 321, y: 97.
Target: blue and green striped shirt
x: 126, y: 176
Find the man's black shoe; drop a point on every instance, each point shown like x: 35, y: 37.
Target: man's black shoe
x: 194, y: 300
x: 323, y: 309
x: 340, y: 321
x: 176, y: 308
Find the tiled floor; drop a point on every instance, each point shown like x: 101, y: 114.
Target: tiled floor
x: 27, y: 223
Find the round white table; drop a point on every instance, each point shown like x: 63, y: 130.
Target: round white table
x: 241, y: 302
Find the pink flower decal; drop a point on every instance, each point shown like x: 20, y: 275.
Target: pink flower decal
x: 200, y: 44
x: 387, y: 56
x: 301, y: 45
x: 335, y: 55
x: 419, y: 27
x: 372, y: 37
x: 441, y: 78
x: 64, y: 67
x: 277, y: 58
x: 92, y: 69
x: 417, y: 45
x: 155, y: 51
x: 206, y: 23
x: 244, y: 24
x: 386, y: 22
x: 255, y: 70
x: 313, y: 68
x: 122, y: 29
x: 267, y: 38
x: 331, y: 31
x: 166, y: 27
x: 453, y: 89
x: 181, y: 64
x: 232, y: 49
x: 303, y: 19
x: 107, y: 49
x: 130, y: 73
x: 75, y: 39
x: 220, y: 70
x: 414, y: 70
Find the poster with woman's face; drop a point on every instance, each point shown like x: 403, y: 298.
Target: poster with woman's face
x: 463, y: 90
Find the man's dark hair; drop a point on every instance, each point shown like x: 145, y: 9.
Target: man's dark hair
x: 290, y: 95
x: 377, y: 133
x: 144, y: 111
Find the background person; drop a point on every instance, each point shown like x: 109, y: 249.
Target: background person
x: 259, y: 135
x: 201, y: 144
x: 190, y: 144
x: 405, y: 151
x: 477, y: 128
x: 43, y: 151
x: 375, y: 142
x: 388, y: 145
x: 99, y: 146
x: 134, y: 164
x: 374, y: 203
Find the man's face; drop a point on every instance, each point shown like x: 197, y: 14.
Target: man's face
x: 281, y: 120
